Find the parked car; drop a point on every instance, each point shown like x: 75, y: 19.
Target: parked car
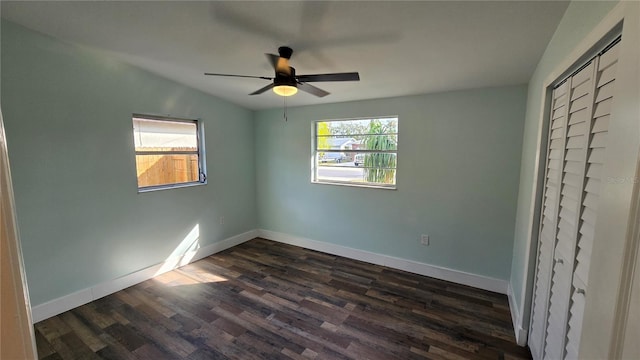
x: 333, y: 157
x: 358, y: 159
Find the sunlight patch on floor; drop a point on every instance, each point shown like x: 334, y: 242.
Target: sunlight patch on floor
x: 184, y: 252
x: 181, y: 256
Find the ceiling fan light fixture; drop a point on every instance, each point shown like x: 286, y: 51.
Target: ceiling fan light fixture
x: 285, y: 90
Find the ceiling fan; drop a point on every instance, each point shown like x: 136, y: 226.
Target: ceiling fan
x: 287, y: 83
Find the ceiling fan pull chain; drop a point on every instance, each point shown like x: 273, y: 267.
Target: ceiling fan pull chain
x: 284, y: 105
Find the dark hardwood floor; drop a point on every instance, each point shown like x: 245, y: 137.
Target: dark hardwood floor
x: 265, y: 300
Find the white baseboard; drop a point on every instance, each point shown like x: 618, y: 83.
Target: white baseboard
x: 459, y: 277
x: 519, y: 332
x: 57, y: 306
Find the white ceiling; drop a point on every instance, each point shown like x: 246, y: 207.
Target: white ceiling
x: 399, y: 48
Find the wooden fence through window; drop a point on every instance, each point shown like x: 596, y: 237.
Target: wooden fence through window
x: 162, y: 169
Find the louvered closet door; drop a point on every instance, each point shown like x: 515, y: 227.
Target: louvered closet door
x: 599, y: 125
x: 555, y: 156
x: 580, y: 114
x: 581, y: 89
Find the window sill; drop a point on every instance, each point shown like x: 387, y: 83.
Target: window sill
x: 350, y: 184
x: 169, y: 187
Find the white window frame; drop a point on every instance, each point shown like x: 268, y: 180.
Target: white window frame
x: 315, y: 153
x: 200, y: 152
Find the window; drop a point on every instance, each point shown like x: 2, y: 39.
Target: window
x: 356, y: 152
x: 168, y: 152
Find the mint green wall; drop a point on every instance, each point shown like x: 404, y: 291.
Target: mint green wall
x: 579, y: 19
x: 68, y: 111
x: 458, y: 168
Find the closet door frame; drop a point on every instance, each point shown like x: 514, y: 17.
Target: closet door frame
x: 603, y: 311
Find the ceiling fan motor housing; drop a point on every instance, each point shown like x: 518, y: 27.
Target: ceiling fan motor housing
x: 284, y: 79
x: 285, y: 52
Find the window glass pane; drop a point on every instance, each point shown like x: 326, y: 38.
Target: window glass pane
x: 356, y: 152
x: 154, y: 170
x: 355, y: 128
x: 359, y: 142
x: 359, y: 169
x: 161, y: 135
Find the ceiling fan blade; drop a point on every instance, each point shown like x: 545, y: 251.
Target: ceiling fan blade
x: 260, y: 91
x: 312, y: 90
x: 352, y: 76
x: 273, y: 59
x: 242, y: 76
x: 279, y: 63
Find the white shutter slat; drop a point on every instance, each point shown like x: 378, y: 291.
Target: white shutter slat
x: 555, y: 154
x: 559, y: 121
x: 554, y: 164
x: 572, y: 180
x: 565, y: 226
x: 571, y: 192
x: 591, y: 201
x: 556, y: 134
x: 548, y: 202
x: 547, y: 232
x: 579, y: 116
x: 556, y: 144
x: 560, y: 90
x: 575, y: 142
x: 601, y: 124
x: 582, y: 271
x: 573, y: 167
x: 573, y: 155
x: 549, y: 211
x: 582, y: 76
x: 588, y: 216
x: 587, y: 229
x: 577, y: 129
x: 581, y: 90
x: 609, y: 58
x: 599, y: 140
x: 559, y: 100
x: 593, y: 186
x: 605, y: 92
x: 569, y: 207
x: 595, y: 171
x: 596, y: 156
x: 559, y: 112
x: 608, y: 75
x: 567, y: 215
x: 603, y: 108
x: 564, y: 248
x: 579, y: 104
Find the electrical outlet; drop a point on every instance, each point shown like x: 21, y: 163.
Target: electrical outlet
x: 424, y: 240
x: 221, y: 220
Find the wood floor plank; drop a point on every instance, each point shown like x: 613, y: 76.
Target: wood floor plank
x: 83, y: 332
x: 266, y: 300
